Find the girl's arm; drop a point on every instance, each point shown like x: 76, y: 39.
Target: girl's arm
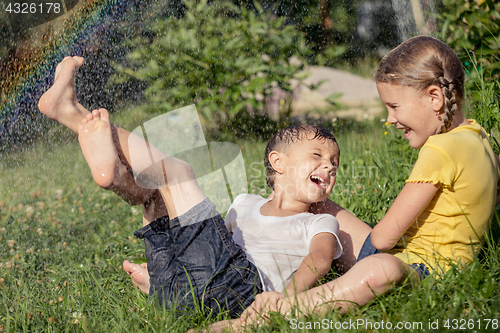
x: 408, y: 205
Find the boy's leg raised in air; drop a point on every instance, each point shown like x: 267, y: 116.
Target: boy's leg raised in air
x: 175, y: 178
x: 98, y: 148
x: 60, y: 104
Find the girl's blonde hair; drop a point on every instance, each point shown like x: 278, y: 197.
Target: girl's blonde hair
x: 424, y: 61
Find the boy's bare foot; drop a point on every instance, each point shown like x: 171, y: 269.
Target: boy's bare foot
x: 59, y: 103
x: 98, y: 148
x: 138, y: 274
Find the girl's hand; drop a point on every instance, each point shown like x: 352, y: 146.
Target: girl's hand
x: 261, y: 306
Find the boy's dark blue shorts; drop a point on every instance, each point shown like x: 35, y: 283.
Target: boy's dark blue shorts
x: 368, y: 249
x: 193, y: 262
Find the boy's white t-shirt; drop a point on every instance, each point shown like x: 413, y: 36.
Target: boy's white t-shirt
x: 276, y: 245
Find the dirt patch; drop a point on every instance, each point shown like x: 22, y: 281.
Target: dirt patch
x: 336, y: 93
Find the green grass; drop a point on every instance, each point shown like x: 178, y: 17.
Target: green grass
x: 63, y: 240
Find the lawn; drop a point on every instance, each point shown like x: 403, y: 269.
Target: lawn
x: 63, y: 240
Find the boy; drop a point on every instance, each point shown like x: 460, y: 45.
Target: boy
x: 190, y: 252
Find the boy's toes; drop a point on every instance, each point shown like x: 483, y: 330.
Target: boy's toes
x: 79, y: 60
x: 103, y: 113
x: 89, y: 117
x: 128, y: 267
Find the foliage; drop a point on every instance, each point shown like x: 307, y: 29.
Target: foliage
x: 223, y: 58
x: 472, y: 29
x: 486, y: 106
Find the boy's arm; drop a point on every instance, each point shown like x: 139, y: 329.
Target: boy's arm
x: 315, y: 265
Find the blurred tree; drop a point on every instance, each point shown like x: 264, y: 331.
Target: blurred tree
x: 225, y: 59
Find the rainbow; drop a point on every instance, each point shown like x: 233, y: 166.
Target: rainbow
x: 28, y: 71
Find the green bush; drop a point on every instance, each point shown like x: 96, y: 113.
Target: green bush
x: 472, y: 29
x: 223, y: 58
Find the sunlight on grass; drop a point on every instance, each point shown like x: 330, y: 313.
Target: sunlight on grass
x: 63, y: 240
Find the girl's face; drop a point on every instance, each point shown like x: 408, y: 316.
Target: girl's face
x: 412, y: 111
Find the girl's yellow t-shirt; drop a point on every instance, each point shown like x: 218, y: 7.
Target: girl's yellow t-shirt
x: 452, y: 226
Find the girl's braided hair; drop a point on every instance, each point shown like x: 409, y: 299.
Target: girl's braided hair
x: 282, y: 140
x: 424, y: 61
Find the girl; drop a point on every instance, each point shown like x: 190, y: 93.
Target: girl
x: 442, y: 212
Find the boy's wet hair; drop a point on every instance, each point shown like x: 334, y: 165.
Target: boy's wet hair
x: 421, y: 62
x: 286, y: 137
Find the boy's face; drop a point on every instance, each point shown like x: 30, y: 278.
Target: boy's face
x: 309, y: 169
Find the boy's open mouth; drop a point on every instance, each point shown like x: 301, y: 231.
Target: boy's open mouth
x: 318, y: 180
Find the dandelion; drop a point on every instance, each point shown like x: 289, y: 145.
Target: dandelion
x: 385, y: 133
x: 30, y: 210
x: 76, y: 315
x: 59, y: 193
